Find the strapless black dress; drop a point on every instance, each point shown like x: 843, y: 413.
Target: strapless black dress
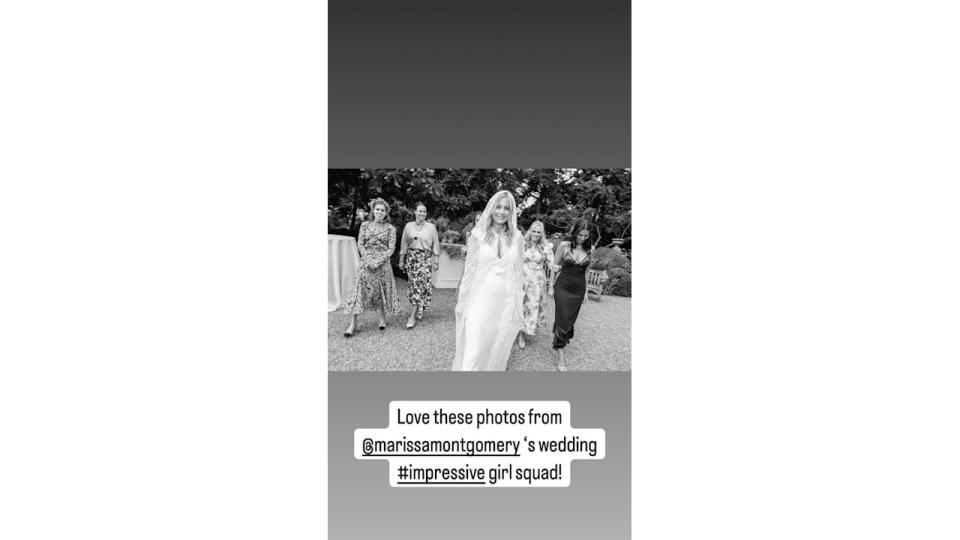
x: 568, y: 294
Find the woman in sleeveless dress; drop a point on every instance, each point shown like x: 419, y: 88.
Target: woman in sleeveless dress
x: 573, y: 257
x: 490, y: 300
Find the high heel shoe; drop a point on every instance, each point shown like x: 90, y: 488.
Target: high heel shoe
x: 350, y: 333
x: 411, y: 324
x: 383, y: 326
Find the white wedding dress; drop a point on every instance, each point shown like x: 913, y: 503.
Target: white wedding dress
x: 482, y: 319
x: 489, y: 304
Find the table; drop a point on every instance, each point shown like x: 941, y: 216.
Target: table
x: 343, y: 262
x: 448, y: 274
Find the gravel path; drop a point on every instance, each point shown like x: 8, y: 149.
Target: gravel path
x: 601, y: 343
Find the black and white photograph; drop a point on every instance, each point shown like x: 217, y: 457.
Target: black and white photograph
x: 479, y: 269
x: 242, y: 240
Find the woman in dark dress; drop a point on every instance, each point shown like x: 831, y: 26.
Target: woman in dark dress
x: 573, y: 258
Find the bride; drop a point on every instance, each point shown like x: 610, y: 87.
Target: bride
x: 490, y: 300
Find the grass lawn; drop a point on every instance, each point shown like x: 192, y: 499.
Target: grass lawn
x: 601, y: 341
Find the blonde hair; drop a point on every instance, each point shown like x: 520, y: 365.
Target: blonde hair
x: 488, y: 236
x: 542, y: 243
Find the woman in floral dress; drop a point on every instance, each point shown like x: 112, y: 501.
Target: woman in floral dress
x: 420, y: 257
x: 374, y: 286
x: 537, y: 264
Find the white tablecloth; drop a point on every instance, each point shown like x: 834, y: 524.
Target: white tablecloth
x: 448, y: 274
x: 343, y: 262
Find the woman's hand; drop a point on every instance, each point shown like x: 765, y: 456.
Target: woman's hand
x: 402, y: 266
x: 436, y: 265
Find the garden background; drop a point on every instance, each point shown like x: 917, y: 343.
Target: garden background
x: 454, y: 197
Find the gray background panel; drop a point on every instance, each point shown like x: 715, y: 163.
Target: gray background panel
x: 497, y: 83
x: 362, y: 505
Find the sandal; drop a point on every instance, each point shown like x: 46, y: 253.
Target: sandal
x: 561, y: 365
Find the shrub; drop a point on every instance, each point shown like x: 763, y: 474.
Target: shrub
x: 604, y: 258
x: 466, y: 225
x: 401, y: 216
x: 442, y: 223
x: 619, y: 282
x: 455, y: 251
x: 450, y: 236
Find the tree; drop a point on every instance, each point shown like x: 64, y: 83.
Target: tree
x: 606, y: 192
x: 557, y: 197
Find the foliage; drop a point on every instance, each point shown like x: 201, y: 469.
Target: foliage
x: 618, y: 268
x: 600, y: 196
x: 618, y: 282
x: 450, y: 236
x: 466, y: 225
x: 604, y: 258
x: 454, y: 250
x: 557, y: 197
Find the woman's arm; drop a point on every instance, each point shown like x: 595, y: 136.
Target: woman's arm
x: 557, y: 260
x: 403, y: 245
x: 361, y: 240
x: 559, y: 256
x: 436, y: 247
x: 391, y: 245
x: 436, y: 239
x: 548, y: 262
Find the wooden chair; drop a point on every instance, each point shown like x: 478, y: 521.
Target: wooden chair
x: 595, y: 281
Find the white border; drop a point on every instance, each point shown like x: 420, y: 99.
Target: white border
x: 796, y: 285
x: 795, y: 318
x: 162, y: 370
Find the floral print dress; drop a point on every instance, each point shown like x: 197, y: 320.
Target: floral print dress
x: 419, y: 272
x: 374, y: 285
x: 419, y: 263
x: 535, y: 264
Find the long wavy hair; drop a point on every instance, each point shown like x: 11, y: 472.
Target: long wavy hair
x: 542, y: 243
x: 485, y: 224
x: 575, y: 231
